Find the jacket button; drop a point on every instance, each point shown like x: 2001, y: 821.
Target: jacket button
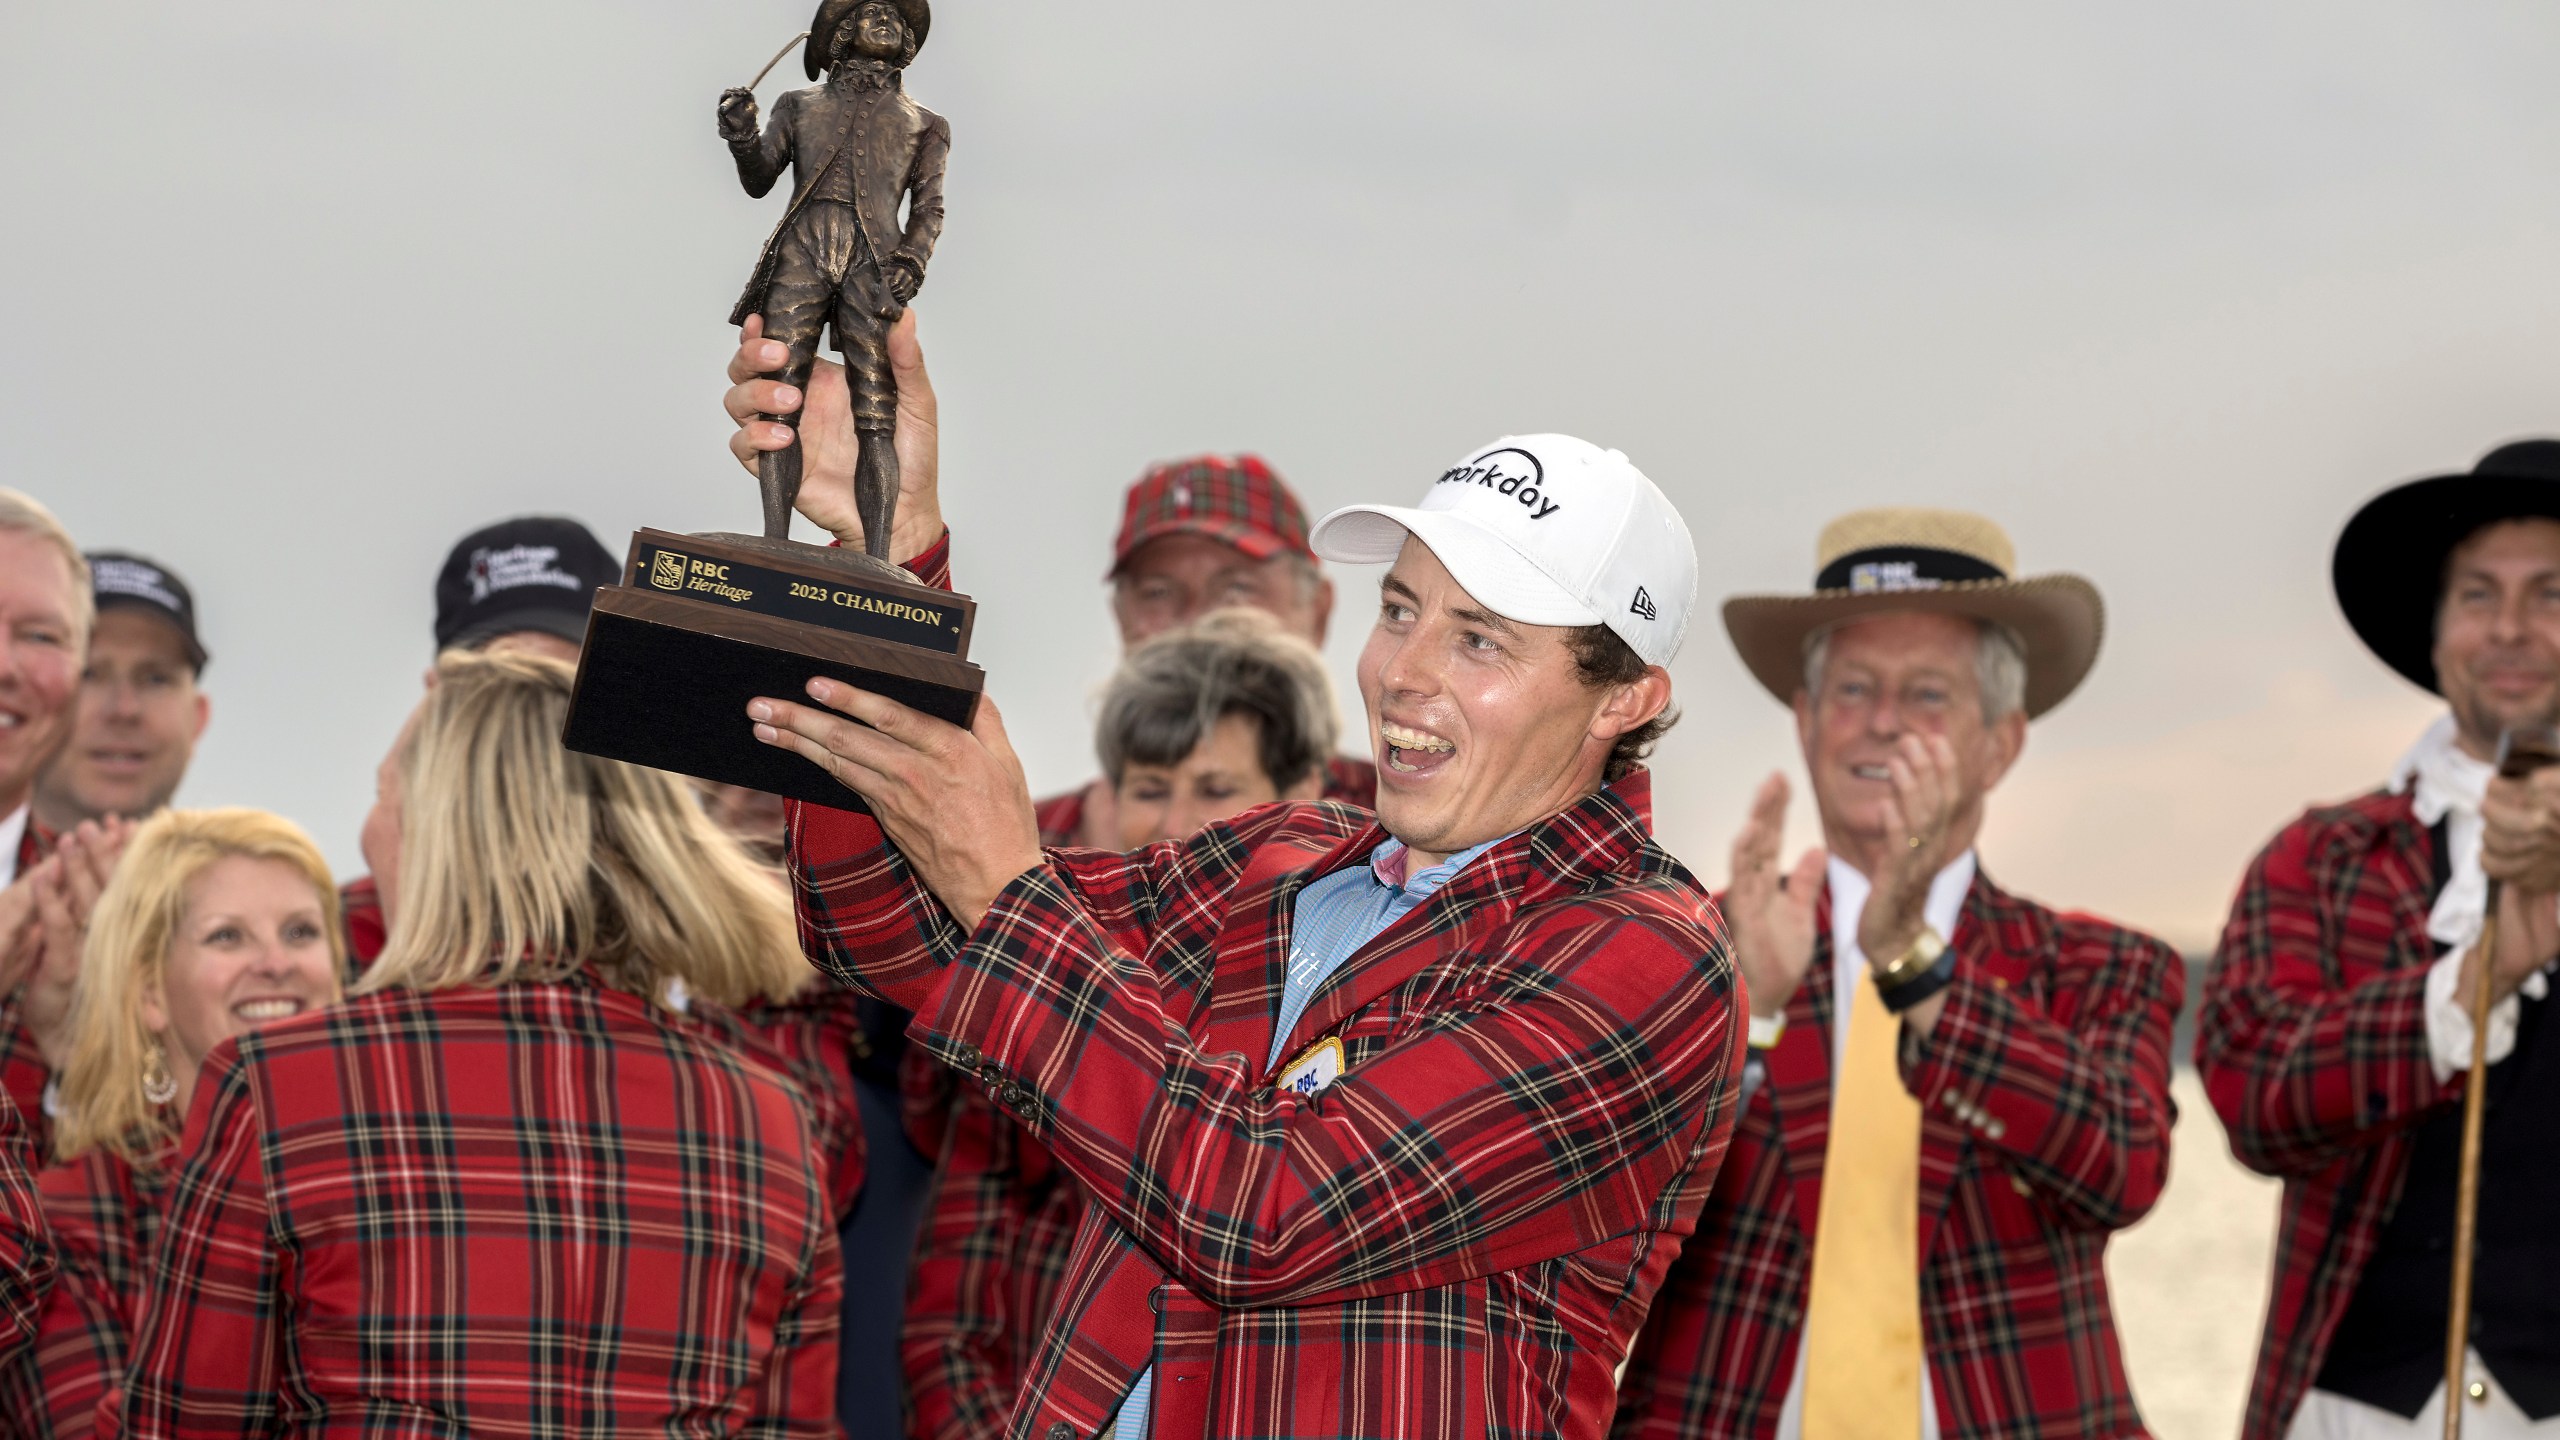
x: 1995, y: 1127
x: 1061, y: 1431
x: 965, y: 1055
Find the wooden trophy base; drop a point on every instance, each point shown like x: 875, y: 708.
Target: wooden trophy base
x: 702, y: 624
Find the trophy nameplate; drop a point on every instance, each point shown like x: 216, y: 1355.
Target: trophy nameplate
x: 700, y: 625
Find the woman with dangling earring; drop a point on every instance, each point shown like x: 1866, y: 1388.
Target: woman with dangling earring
x: 215, y: 922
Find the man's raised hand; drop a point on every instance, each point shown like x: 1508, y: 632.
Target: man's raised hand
x: 1918, y: 814
x: 1768, y: 911
x: 828, y: 444
x: 2520, y: 831
x: 953, y: 801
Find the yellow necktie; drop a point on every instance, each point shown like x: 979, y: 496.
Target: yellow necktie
x: 1862, y: 1323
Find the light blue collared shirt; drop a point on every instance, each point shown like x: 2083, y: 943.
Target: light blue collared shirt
x: 1332, y: 919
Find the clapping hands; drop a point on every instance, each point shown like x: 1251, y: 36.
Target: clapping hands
x: 44, y: 922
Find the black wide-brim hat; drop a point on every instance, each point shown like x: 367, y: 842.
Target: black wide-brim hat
x: 2388, y: 569
x: 813, y: 55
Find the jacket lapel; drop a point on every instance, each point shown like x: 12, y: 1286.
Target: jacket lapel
x: 1942, y: 1141
x: 1251, y: 966
x: 1799, y: 1069
x: 1562, y: 856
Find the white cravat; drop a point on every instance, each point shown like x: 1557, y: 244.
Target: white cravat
x: 2443, y: 784
x: 1849, y: 892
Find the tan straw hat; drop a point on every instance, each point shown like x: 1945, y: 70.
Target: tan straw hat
x: 1943, y: 562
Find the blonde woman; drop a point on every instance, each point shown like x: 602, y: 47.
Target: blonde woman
x: 214, y: 922
x: 503, y: 1188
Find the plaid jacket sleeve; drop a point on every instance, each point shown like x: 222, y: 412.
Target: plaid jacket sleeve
x: 986, y: 1266
x: 1515, y: 1128
x: 207, y: 1356
x: 26, y: 1242
x: 2076, y: 1104
x: 2312, y: 1038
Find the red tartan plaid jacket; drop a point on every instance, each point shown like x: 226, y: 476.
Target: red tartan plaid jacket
x: 2044, y: 1090
x: 529, y: 1208
x: 809, y: 1039
x: 998, y: 1224
x: 23, y: 1071
x: 2312, y: 1042
x: 105, y: 1214
x: 1000, y: 1216
x: 1459, y: 1237
x: 26, y: 1243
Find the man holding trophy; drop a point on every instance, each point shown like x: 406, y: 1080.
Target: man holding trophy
x: 1392, y: 1123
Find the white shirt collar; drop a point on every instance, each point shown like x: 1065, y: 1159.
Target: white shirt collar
x: 1849, y: 892
x: 13, y: 830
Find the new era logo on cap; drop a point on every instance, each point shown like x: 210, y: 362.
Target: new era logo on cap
x: 1546, y: 530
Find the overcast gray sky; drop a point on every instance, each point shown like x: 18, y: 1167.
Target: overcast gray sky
x: 296, y: 292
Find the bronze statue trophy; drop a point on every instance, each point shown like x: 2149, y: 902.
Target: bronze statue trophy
x: 702, y: 624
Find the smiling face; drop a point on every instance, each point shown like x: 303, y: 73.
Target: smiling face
x: 1173, y: 580
x: 1222, y: 776
x: 2497, y: 647
x: 252, y: 947
x: 135, y: 726
x: 1883, y: 677
x: 1483, y: 726
x: 39, y: 659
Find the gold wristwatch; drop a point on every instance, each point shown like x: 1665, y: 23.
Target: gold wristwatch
x: 1914, y: 962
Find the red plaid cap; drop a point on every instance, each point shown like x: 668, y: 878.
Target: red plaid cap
x: 1238, y: 500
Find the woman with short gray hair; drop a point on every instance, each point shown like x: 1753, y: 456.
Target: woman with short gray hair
x: 1211, y: 720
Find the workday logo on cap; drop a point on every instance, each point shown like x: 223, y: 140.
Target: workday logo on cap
x: 1512, y: 471
x: 1546, y: 530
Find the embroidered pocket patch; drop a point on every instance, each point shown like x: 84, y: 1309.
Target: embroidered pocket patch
x: 1316, y: 1067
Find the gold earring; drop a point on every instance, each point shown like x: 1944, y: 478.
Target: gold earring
x: 158, y: 1085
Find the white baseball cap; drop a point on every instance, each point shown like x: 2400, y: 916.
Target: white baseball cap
x: 1545, y: 530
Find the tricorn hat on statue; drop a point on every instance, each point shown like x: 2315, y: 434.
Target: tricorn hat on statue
x: 2388, y: 569
x: 831, y: 13
x: 1941, y: 561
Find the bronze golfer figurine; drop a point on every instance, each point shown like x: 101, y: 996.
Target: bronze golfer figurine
x: 858, y: 147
